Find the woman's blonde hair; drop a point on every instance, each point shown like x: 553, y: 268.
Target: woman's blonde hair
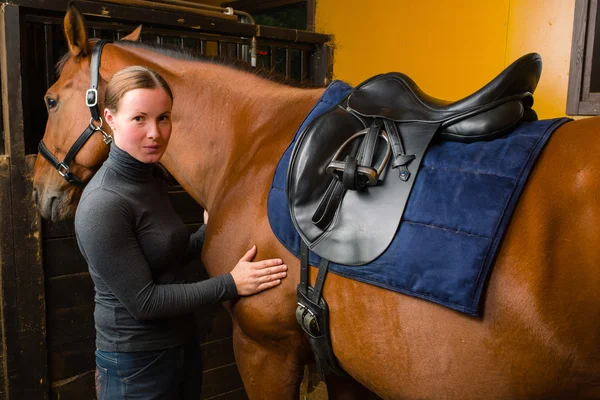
x: 131, y: 78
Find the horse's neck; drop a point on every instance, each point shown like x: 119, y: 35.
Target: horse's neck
x: 224, y: 121
x: 229, y: 124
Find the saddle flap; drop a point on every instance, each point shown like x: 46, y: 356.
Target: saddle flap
x: 367, y: 220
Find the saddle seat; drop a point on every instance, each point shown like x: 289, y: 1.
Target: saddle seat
x: 396, y: 97
x: 343, y: 201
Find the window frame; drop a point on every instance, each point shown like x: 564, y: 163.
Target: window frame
x: 580, y: 99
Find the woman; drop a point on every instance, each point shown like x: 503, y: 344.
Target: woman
x: 135, y: 246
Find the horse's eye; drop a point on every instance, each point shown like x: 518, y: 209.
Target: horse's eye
x: 50, y: 102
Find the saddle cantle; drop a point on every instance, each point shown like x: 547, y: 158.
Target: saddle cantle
x: 344, y: 199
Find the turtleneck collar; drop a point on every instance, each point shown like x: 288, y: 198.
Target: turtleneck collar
x: 123, y: 163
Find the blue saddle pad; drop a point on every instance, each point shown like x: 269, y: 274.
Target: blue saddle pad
x: 457, y: 213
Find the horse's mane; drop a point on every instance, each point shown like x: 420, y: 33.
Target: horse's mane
x: 190, y: 55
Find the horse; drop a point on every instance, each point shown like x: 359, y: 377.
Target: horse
x: 538, y: 337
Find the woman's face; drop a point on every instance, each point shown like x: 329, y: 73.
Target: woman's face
x: 142, y: 125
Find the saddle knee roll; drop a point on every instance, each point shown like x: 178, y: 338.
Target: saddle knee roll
x: 488, y: 125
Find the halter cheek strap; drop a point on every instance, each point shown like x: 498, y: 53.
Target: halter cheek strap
x: 95, y: 125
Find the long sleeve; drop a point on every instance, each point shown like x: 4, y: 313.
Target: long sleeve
x: 106, y: 235
x: 196, y: 242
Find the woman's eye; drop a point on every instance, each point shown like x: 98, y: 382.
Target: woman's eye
x: 50, y: 103
x: 138, y: 118
x: 163, y: 118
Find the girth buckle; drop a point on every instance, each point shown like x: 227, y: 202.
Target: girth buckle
x: 308, y: 321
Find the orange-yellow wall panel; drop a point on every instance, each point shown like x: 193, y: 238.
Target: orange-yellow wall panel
x: 545, y: 27
x: 451, y: 47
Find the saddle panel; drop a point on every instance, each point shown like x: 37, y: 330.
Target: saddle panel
x: 397, y: 97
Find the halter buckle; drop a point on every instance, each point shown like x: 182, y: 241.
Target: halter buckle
x: 106, y: 138
x: 63, y: 169
x: 94, y: 127
x: 91, y: 98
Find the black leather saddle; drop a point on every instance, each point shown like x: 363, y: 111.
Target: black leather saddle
x: 353, y: 167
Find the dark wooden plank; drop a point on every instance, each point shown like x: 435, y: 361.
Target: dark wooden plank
x: 69, y: 291
x: 62, y: 257
x: 221, y: 380
x: 147, y: 15
x: 76, y: 388
x: 2, y: 369
x: 26, y: 333
x: 214, y: 323
x: 7, y: 266
x: 187, y: 208
x: 71, y: 359
x: 70, y: 325
x: 257, y: 5
x: 61, y: 229
x: 292, y: 35
x: 239, y: 394
x: 217, y: 353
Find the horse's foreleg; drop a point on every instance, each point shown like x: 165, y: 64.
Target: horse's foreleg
x: 270, y: 369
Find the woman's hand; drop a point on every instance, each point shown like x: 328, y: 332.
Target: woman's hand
x: 205, y: 217
x: 253, y: 277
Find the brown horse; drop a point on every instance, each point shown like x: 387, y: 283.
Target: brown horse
x: 539, y: 336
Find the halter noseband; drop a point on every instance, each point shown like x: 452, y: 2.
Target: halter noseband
x: 91, y: 100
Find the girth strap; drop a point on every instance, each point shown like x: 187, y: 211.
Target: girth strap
x: 313, y: 316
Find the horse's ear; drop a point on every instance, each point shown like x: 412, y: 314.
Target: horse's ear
x: 76, y: 33
x: 134, y: 36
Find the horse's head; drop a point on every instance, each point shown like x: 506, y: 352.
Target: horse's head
x: 69, y: 116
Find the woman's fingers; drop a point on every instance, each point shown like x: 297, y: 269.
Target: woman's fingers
x: 267, y: 285
x: 263, y: 271
x: 272, y: 277
x: 249, y: 254
x: 269, y: 263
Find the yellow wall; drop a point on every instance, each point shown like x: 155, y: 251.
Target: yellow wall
x: 451, y: 47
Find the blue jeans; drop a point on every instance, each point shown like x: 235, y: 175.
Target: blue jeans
x: 149, y: 375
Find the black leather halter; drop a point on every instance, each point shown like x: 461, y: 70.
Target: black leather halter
x: 95, y: 125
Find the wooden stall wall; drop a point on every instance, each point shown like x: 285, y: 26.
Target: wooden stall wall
x: 22, y: 276
x: 451, y: 48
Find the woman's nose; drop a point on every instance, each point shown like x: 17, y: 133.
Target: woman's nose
x: 152, y: 131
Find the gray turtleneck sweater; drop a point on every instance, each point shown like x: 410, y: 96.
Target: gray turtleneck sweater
x: 136, y: 246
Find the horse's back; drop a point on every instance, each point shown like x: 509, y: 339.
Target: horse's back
x: 540, y: 328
